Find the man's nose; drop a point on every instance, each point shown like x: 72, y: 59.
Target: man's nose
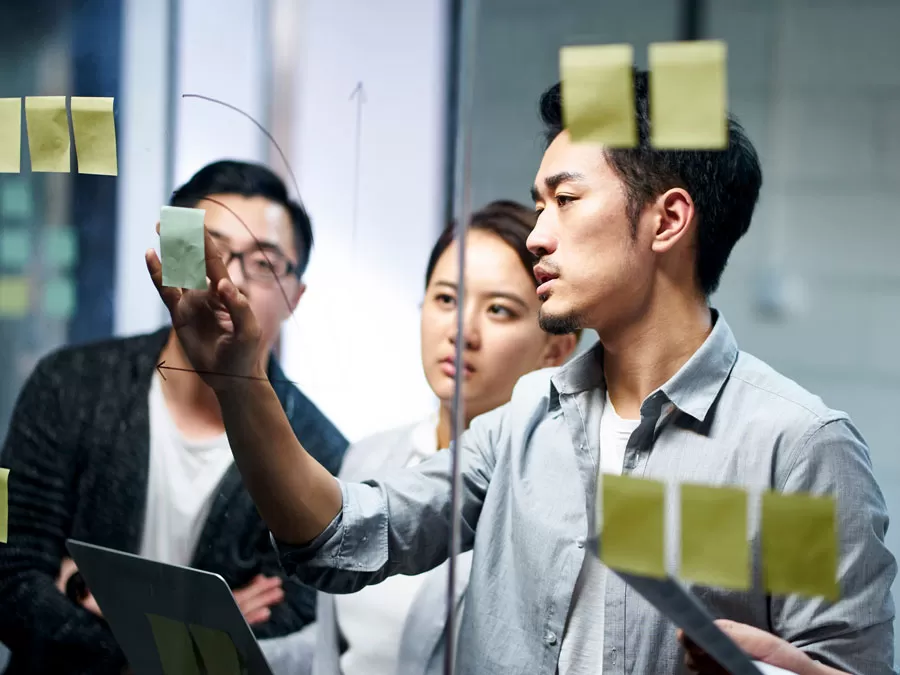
x: 541, y: 242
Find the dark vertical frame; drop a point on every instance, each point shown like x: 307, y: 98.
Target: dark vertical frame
x: 96, y: 71
x: 453, y: 11
x: 692, y: 20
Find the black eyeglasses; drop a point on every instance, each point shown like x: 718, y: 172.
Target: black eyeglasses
x: 263, y: 266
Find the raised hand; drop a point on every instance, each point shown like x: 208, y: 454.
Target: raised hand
x: 216, y: 327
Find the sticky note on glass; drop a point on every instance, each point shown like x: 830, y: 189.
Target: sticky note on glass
x: 182, y: 249
x: 13, y: 297
x: 714, y: 546
x: 4, y: 505
x: 176, y: 649
x: 10, y: 135
x: 59, y: 299
x: 94, y: 128
x: 799, y: 545
x: 217, y: 650
x: 632, y: 539
x: 15, y: 198
x: 60, y: 247
x: 15, y: 248
x: 688, y: 91
x: 597, y: 86
x: 48, y: 133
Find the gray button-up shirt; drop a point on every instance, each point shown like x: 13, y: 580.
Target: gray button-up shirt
x: 529, y: 475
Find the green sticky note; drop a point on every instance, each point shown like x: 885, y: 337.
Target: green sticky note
x: 182, y: 247
x: 15, y: 248
x: 95, y: 135
x: 48, y: 133
x: 176, y: 649
x: 714, y: 546
x: 800, y: 545
x: 217, y: 650
x: 59, y: 298
x: 597, y: 86
x: 10, y: 135
x: 633, y: 535
x: 688, y: 91
x: 13, y: 297
x: 4, y: 505
x: 15, y: 198
x: 60, y: 247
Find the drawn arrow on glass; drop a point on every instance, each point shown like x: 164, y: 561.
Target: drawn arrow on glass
x: 161, y: 366
x: 359, y: 93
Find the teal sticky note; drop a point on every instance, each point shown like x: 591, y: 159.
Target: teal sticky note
x: 15, y: 198
x: 182, y: 247
x: 60, y: 247
x: 59, y: 298
x: 174, y: 646
x: 15, y: 249
x: 217, y: 650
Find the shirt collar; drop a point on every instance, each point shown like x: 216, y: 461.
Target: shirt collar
x: 693, y: 389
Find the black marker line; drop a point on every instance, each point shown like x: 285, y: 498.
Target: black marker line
x: 160, y: 367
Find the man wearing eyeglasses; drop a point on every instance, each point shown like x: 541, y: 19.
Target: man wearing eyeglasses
x: 107, y: 447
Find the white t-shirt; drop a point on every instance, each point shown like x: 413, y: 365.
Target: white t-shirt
x: 581, y: 652
x: 183, y: 477
x: 372, y: 619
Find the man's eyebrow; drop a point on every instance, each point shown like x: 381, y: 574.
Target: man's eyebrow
x: 557, y: 179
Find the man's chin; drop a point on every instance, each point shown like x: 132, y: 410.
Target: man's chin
x: 558, y: 323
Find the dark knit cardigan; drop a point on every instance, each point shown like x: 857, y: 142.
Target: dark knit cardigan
x: 78, y: 450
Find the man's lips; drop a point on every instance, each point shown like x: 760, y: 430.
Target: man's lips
x: 543, y: 275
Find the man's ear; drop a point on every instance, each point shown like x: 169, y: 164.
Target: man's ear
x: 674, y: 216
x: 559, y: 349
x: 296, y: 295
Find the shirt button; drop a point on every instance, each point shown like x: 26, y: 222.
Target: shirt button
x: 550, y: 638
x: 579, y: 542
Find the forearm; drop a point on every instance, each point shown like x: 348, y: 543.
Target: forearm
x: 296, y: 496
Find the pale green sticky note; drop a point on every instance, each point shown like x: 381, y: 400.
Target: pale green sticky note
x: 15, y: 248
x: 633, y: 535
x: 48, y: 133
x: 59, y: 298
x: 10, y: 135
x: 95, y: 135
x: 217, y: 650
x: 800, y: 545
x: 60, y: 247
x: 714, y: 546
x: 182, y: 248
x: 688, y: 91
x: 174, y: 645
x: 13, y: 296
x: 15, y: 198
x: 4, y: 505
x: 597, y: 85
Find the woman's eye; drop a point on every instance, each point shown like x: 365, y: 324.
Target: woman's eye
x: 500, y: 310
x: 444, y: 299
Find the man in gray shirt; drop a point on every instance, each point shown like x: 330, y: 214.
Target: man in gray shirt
x: 631, y: 243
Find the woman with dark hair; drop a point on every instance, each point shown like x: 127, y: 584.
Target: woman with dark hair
x: 397, y: 627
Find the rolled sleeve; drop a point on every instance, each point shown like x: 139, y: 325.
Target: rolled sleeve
x: 854, y: 634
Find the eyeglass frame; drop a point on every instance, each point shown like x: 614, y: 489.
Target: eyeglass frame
x: 229, y: 256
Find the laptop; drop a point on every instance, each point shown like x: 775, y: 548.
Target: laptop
x: 128, y: 588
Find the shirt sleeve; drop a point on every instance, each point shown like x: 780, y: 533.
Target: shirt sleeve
x: 854, y: 634
x: 399, y: 523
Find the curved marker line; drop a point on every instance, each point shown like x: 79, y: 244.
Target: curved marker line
x: 261, y: 128
x: 160, y: 367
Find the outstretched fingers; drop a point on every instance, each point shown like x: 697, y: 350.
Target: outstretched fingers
x: 169, y: 295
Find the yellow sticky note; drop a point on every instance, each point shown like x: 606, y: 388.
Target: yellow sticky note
x: 633, y: 536
x: 174, y: 645
x: 217, y: 650
x: 714, y: 546
x: 688, y: 91
x: 13, y: 297
x: 10, y: 135
x: 800, y: 545
x: 4, y: 505
x: 598, y: 94
x: 94, y: 128
x: 48, y: 133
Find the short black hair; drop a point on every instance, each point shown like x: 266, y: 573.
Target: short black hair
x: 247, y: 179
x: 510, y: 221
x: 724, y: 184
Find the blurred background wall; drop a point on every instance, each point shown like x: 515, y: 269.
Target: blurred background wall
x: 356, y: 94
